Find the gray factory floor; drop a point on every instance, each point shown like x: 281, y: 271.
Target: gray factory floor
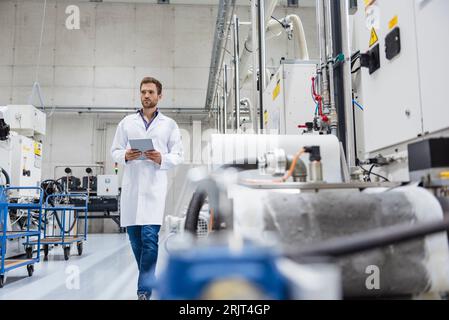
x: 106, y: 269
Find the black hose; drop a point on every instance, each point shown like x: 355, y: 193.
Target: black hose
x: 199, y: 197
x: 193, y: 211
x: 50, y: 187
x: 371, y: 239
x: 8, y: 180
x: 58, y: 221
x: 242, y: 165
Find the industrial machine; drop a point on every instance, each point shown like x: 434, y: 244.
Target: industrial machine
x: 289, y: 102
x: 102, y: 191
x: 374, y: 98
x: 22, y: 128
x: 21, y: 153
x: 398, y: 85
x: 303, y: 201
x: 429, y: 166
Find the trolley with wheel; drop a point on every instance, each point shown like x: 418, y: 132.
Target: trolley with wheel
x: 62, y: 225
x: 32, y: 207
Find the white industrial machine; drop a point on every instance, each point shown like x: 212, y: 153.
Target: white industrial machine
x: 21, y: 159
x: 288, y: 100
x: 21, y: 154
x: 403, y: 84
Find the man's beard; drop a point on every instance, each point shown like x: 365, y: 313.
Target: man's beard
x: 150, y: 106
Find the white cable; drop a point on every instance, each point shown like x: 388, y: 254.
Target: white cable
x: 36, y: 78
x: 20, y: 217
x: 165, y: 240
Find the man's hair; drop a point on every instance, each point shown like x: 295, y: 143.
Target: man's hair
x: 152, y: 80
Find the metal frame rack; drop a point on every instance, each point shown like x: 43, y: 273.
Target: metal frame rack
x: 10, y: 264
x: 62, y: 205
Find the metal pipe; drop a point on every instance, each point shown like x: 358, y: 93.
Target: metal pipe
x: 222, y: 116
x: 87, y: 109
x: 225, y: 11
x: 347, y: 86
x: 322, y: 83
x: 330, y: 68
x: 255, y: 62
x: 250, y: 42
x: 262, y: 62
x: 338, y: 76
x: 321, y: 31
x: 236, y: 73
x: 328, y: 23
x: 217, y: 106
x: 225, y: 98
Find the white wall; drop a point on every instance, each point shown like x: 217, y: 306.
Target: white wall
x: 117, y: 45
x: 102, y: 63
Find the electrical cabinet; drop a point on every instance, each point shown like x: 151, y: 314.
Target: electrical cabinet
x: 403, y: 92
x: 432, y: 23
x: 107, y: 185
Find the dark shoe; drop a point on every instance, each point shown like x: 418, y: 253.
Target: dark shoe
x: 143, y: 296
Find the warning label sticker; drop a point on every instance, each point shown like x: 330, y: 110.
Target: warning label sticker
x: 393, y: 22
x: 372, y: 16
x: 277, y: 90
x: 37, y: 148
x: 373, y: 38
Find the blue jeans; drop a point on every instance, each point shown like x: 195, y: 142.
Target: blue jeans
x: 144, y: 242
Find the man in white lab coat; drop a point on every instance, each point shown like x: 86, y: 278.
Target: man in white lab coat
x: 144, y: 185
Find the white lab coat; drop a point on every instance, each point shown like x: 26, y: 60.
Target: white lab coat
x: 144, y: 184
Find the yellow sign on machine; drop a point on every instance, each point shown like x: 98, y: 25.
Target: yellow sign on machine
x: 277, y: 90
x: 374, y: 38
x: 393, y: 22
x: 37, y: 149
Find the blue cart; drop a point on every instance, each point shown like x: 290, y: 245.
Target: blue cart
x: 62, y: 223
x: 31, y: 208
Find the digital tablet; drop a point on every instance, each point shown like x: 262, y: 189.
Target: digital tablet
x: 142, y: 145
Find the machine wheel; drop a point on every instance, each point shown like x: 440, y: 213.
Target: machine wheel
x: 79, y: 246
x: 66, y: 253
x: 29, y: 252
x: 45, y: 252
x: 2, y: 281
x: 30, y: 269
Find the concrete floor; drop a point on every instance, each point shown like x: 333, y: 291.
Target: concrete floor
x: 106, y: 269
